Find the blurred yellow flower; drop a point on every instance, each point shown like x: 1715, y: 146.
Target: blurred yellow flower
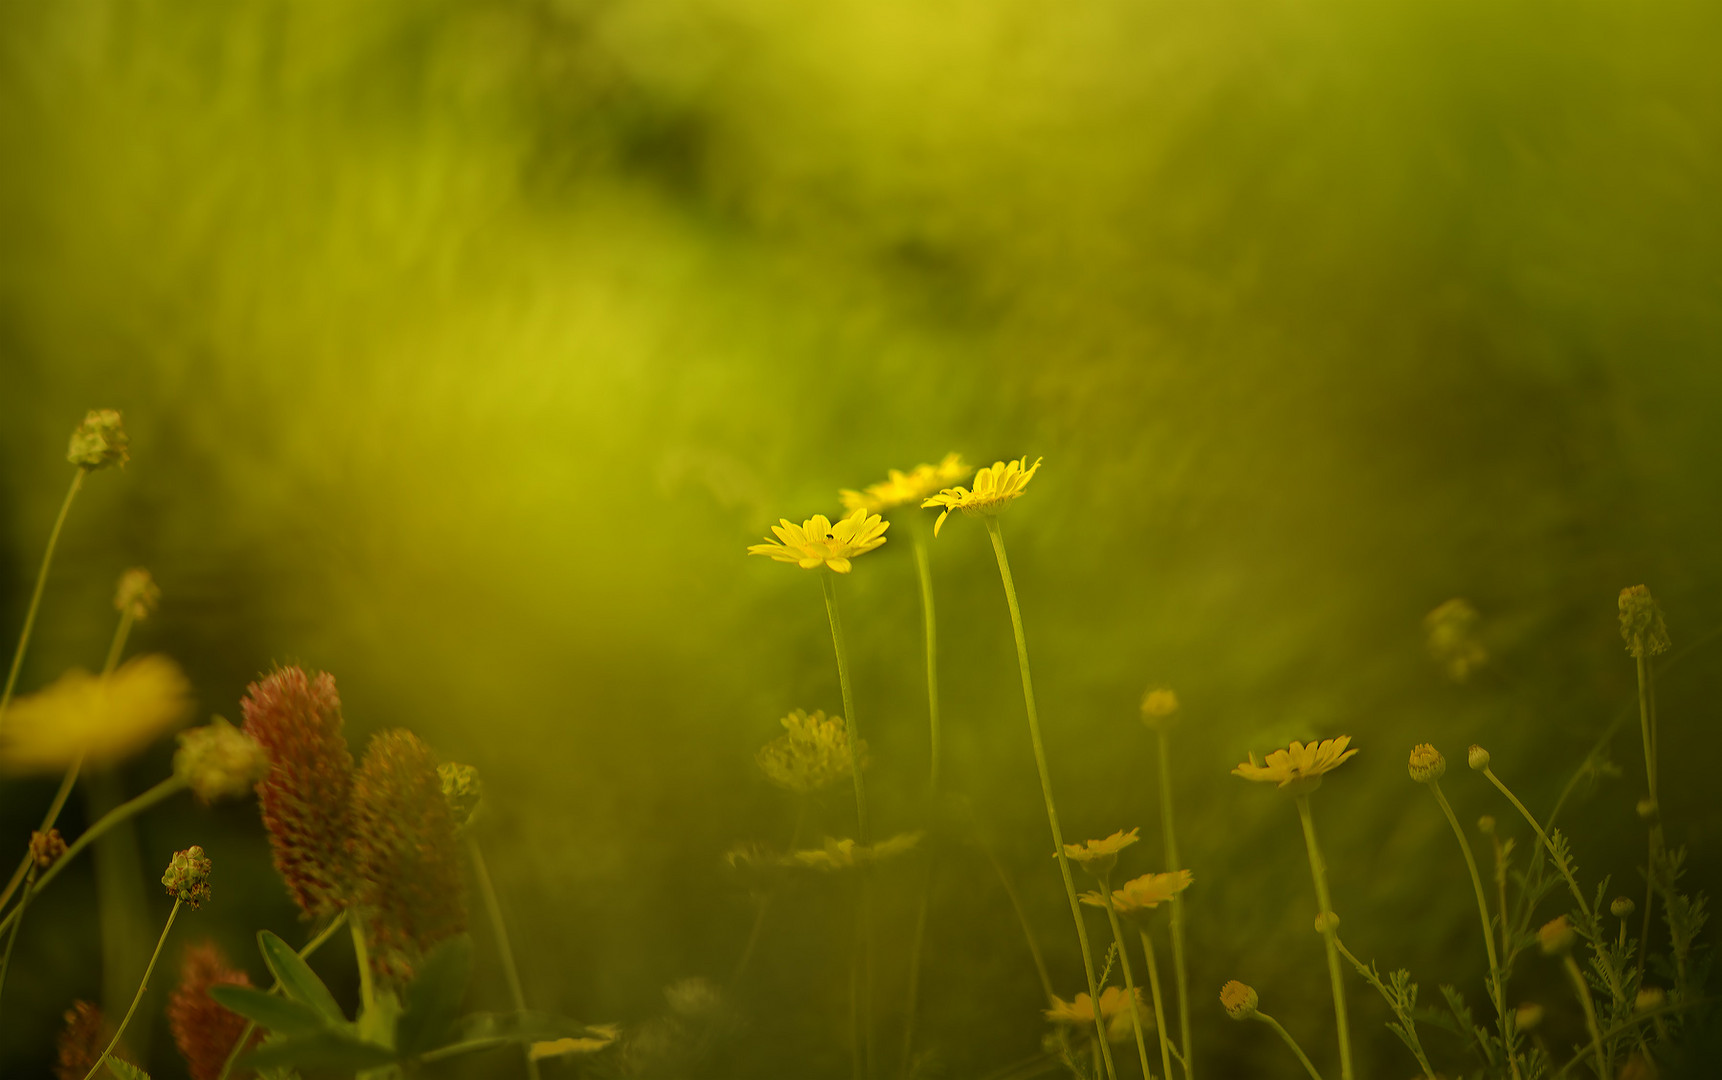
x: 1091, y: 851
x: 817, y: 542
x: 1114, y: 1009
x: 602, y: 1035
x: 103, y: 720
x: 903, y: 489
x: 811, y: 754
x: 846, y: 854
x: 1143, y: 893
x: 1301, y: 764
x: 995, y: 487
x: 1450, y: 631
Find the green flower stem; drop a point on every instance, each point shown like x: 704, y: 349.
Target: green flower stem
x: 862, y: 836
x: 36, y: 595
x: 1647, y: 725
x: 1291, y: 1042
x: 142, y: 986
x: 1170, y: 838
x: 493, y: 909
x: 312, y: 946
x: 753, y: 935
x: 1578, y: 894
x: 1501, y: 891
x: 1046, y: 789
x: 118, y: 815
x: 17, y: 924
x: 362, y: 957
x: 1021, y: 914
x: 1159, y: 1009
x: 1318, y: 870
x: 1130, y: 986
x: 1583, y: 991
x: 1406, y: 1020
x: 1497, y: 992
x: 917, y: 945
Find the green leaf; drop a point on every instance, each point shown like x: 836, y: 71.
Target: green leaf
x: 326, y: 1049
x: 125, y: 1070
x: 271, y: 1013
x: 431, y: 1002
x: 524, y: 1027
x: 298, y: 981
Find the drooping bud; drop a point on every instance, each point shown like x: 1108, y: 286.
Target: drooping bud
x: 1427, y: 765
x: 1641, y: 623
x: 1326, y: 923
x: 46, y: 848
x: 1556, y: 936
x: 1159, y: 705
x: 205, y: 1031
x: 1622, y: 907
x: 306, y: 796
x: 187, y: 876
x: 137, y: 594
x: 1477, y: 757
x: 218, y: 761
x: 1240, y: 1001
x: 462, y: 789
x: 1450, y: 631
x: 100, y: 441
x: 407, y: 871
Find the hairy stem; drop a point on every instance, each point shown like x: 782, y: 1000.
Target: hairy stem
x: 1291, y: 1042
x: 142, y: 986
x: 1046, y: 789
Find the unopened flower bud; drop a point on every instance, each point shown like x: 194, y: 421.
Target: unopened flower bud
x: 461, y: 789
x: 1158, y: 705
x: 46, y: 848
x: 1650, y: 998
x: 1622, y: 907
x: 1477, y: 757
x: 1527, y: 1016
x: 1641, y: 623
x: 1240, y: 1000
x: 137, y: 594
x: 1450, y: 631
x: 1326, y: 923
x: 1556, y: 936
x: 1647, y: 808
x: 187, y: 877
x: 1486, y: 825
x: 99, y: 441
x: 218, y: 761
x: 1427, y: 765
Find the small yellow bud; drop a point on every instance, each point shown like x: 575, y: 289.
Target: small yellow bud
x: 187, y: 877
x: 1527, y: 1016
x: 462, y: 790
x: 1641, y: 623
x: 1326, y: 922
x: 1486, y: 825
x: 137, y: 594
x: 1557, y: 936
x: 1647, y: 808
x: 1427, y: 765
x: 1451, y: 634
x: 1622, y: 907
x: 1650, y: 998
x: 1477, y: 757
x: 99, y: 441
x: 1240, y: 1000
x: 1158, y: 705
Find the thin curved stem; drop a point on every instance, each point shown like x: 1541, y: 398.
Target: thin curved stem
x: 1130, y: 996
x: 917, y: 945
x: 1173, y: 862
x: 753, y: 935
x: 1589, y: 1004
x: 1647, y: 725
x: 498, y: 928
x: 1318, y: 870
x: 1497, y: 992
x: 1548, y: 845
x: 1406, y: 1019
x: 17, y: 924
x: 124, y: 812
x: 36, y: 594
x: 862, y: 836
x: 1159, y: 1008
x: 1021, y: 914
x: 1291, y: 1042
x: 1046, y: 789
x: 142, y: 986
x: 312, y: 946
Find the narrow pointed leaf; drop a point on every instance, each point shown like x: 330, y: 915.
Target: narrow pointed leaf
x: 298, y: 981
x: 274, y: 1014
x: 431, y: 1002
x: 322, y: 1050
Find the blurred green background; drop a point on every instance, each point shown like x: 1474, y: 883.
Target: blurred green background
x: 465, y: 345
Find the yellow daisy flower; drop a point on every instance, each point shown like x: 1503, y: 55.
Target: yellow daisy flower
x: 903, y: 489
x: 846, y: 854
x: 105, y: 720
x: 1100, y: 856
x: 1143, y: 893
x: 1114, y: 1009
x: 817, y: 542
x: 995, y: 487
x: 811, y: 754
x: 1302, y: 764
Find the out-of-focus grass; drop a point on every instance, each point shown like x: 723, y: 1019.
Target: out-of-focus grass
x: 466, y: 345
